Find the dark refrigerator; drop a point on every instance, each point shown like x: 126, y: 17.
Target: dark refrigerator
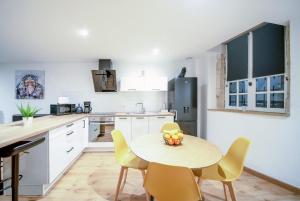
x: 182, y: 100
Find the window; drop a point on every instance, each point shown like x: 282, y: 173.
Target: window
x: 256, y: 77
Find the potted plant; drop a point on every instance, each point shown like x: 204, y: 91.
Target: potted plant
x: 27, y: 113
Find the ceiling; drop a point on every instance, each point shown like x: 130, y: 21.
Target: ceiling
x: 47, y: 30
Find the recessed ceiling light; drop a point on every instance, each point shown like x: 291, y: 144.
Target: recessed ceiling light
x: 83, y: 33
x: 156, y: 51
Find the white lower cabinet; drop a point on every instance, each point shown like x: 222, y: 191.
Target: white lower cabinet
x: 124, y: 124
x: 42, y: 165
x: 156, y: 122
x: 140, y: 126
x: 135, y: 126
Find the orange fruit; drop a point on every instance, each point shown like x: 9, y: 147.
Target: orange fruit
x: 177, y: 142
x: 170, y: 141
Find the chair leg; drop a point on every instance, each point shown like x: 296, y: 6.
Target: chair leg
x: 143, y: 174
x: 199, y: 182
x: 231, y: 190
x: 119, y: 182
x: 124, y: 179
x: 224, y: 187
x: 15, y: 177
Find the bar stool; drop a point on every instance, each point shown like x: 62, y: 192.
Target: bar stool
x: 13, y: 151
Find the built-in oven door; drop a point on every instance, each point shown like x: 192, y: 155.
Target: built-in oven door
x: 100, y: 129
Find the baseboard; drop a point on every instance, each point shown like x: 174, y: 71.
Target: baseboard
x: 289, y: 187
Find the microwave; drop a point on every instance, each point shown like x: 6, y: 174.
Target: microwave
x: 62, y: 109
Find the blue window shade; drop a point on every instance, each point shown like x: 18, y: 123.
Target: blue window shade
x: 268, y: 50
x: 237, y: 58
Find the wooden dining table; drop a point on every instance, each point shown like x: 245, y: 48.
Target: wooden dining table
x: 193, y: 152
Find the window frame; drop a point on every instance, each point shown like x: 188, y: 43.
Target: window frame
x: 251, y: 102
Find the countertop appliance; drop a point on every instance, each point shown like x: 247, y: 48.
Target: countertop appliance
x: 105, y: 78
x: 87, y: 107
x: 182, y: 100
x: 62, y: 109
x: 100, y: 128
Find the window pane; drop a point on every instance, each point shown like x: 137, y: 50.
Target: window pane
x: 243, y: 99
x: 261, y: 84
x: 277, y: 100
x: 232, y: 100
x: 261, y: 100
x: 232, y: 87
x: 243, y: 86
x: 277, y: 83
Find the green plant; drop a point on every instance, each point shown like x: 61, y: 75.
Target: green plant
x: 28, y: 111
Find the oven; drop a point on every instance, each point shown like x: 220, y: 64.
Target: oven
x: 100, y: 128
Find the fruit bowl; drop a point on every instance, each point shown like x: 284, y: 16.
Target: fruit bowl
x: 172, y: 137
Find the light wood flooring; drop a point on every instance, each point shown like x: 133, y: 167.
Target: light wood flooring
x: 94, y: 177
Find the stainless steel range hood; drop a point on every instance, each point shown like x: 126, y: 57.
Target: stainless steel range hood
x: 104, y: 78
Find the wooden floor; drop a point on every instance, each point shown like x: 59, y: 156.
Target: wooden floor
x: 94, y: 177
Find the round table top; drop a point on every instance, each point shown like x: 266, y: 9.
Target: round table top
x: 194, y: 152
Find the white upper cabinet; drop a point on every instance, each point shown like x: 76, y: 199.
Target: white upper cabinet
x: 156, y: 83
x: 144, y: 84
x: 132, y: 84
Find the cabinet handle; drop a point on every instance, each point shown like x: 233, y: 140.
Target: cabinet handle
x: 155, y: 89
x: 139, y: 117
x: 69, y: 125
x: 70, y: 133
x: 161, y: 117
x: 70, y: 150
x: 131, y: 89
x: 122, y: 117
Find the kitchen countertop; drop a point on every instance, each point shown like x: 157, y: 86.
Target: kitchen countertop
x: 131, y: 114
x: 14, y: 132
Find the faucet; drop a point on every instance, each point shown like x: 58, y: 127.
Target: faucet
x: 142, y: 110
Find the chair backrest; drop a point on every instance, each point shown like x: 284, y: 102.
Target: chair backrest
x: 236, y: 155
x: 170, y: 126
x: 170, y: 183
x: 121, y: 147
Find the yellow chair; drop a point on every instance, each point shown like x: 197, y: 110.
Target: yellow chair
x: 229, y: 168
x: 170, y: 126
x: 126, y: 158
x: 171, y: 183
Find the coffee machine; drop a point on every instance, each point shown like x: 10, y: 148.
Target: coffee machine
x: 87, y: 107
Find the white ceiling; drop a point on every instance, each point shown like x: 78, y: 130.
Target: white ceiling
x: 46, y: 30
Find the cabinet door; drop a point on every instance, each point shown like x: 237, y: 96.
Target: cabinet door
x: 132, y: 84
x: 156, y: 83
x: 155, y: 123
x: 124, y: 124
x: 140, y: 126
x: 57, y: 154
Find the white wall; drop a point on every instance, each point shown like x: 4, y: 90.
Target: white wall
x: 275, y: 149
x: 75, y: 80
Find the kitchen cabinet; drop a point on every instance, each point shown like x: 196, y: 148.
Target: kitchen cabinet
x: 153, y: 83
x: 134, y: 126
x: 44, y: 164
x: 156, y: 122
x: 132, y: 84
x: 156, y: 83
x: 124, y: 124
x: 140, y: 126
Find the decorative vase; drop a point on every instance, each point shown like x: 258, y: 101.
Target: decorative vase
x: 27, y: 121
